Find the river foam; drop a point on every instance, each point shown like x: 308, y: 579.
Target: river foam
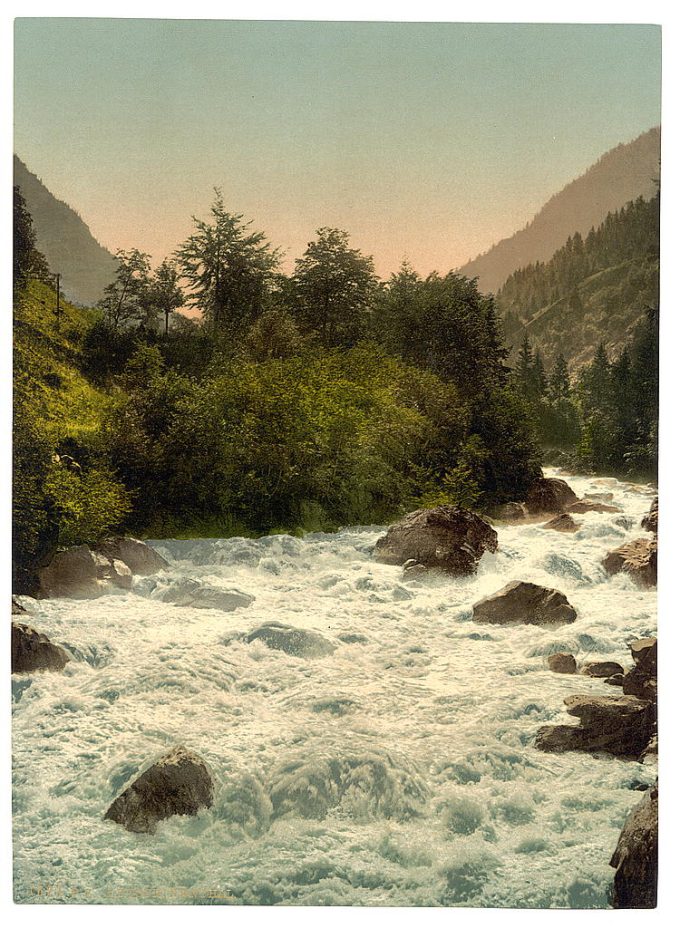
x: 377, y: 750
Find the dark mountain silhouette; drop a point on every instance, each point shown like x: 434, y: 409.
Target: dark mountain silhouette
x: 621, y: 175
x: 61, y: 235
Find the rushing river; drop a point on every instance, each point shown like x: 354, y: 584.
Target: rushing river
x: 390, y: 762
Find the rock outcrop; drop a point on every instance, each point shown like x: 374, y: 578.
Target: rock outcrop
x: 179, y: 783
x: 17, y: 608
x: 524, y: 603
x: 562, y: 523
x: 636, y: 857
x: 549, y: 494
x: 562, y: 663
x: 137, y: 555
x: 84, y: 573
x: 637, y: 558
x: 444, y: 538
x: 31, y: 650
x: 651, y: 521
x: 602, y: 669
x: 618, y: 725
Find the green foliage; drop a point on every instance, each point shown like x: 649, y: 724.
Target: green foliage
x: 85, y: 506
x: 126, y: 299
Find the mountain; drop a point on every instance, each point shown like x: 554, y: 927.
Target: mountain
x: 592, y: 290
x: 61, y: 235
x: 621, y: 175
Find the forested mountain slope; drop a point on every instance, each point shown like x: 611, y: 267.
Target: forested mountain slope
x: 621, y: 175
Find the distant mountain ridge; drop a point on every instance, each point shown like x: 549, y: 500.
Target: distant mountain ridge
x: 622, y: 174
x: 86, y: 267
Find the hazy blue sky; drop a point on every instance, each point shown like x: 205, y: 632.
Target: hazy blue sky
x: 424, y: 141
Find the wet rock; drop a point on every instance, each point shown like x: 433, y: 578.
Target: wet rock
x: 602, y: 669
x: 616, y: 679
x: 17, y: 608
x: 618, y: 725
x: 652, y: 748
x: 295, y: 641
x: 179, y: 783
x: 562, y: 662
x: 445, y: 538
x: 81, y: 573
x: 31, y: 650
x: 139, y: 557
x: 525, y: 603
x: 197, y: 595
x: 588, y: 505
x: 562, y: 523
x: 651, y: 521
x: 637, y: 558
x: 510, y: 512
x: 413, y: 569
x: 636, y: 857
x: 640, y: 680
x: 549, y: 494
x: 601, y: 497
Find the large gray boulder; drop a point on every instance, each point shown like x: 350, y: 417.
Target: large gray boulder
x: 636, y: 857
x: 444, y: 538
x: 637, y: 558
x: 179, y: 783
x: 298, y: 642
x: 137, y: 555
x: 198, y: 595
x: 82, y: 572
x: 651, y: 521
x: 549, y: 494
x: 526, y: 604
x: 31, y: 651
x: 618, y: 725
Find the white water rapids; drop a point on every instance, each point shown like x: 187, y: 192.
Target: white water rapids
x: 398, y: 769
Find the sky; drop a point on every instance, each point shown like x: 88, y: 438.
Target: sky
x: 426, y: 142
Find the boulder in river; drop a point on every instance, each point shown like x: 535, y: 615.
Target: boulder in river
x: 31, y: 650
x: 549, y: 494
x: 17, y: 608
x: 589, y: 505
x: 299, y: 642
x: 81, y: 573
x: 640, y: 681
x: 602, y: 669
x: 562, y: 662
x: 524, y: 603
x: 618, y: 725
x: 637, y: 558
x: 198, y: 595
x: 562, y: 523
x: 179, y: 783
x: 137, y: 555
x: 651, y: 521
x: 636, y: 856
x: 445, y: 538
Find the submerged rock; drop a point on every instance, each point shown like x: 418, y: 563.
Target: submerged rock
x: 85, y: 573
x: 295, y: 641
x: 445, y: 538
x: 179, y: 783
x: 510, y: 512
x: 637, y: 558
x: 524, y: 603
x: 589, y: 505
x: 549, y: 494
x: 413, y: 569
x: 618, y: 725
x: 135, y: 554
x: 561, y: 523
x: 562, y: 662
x: 31, y: 650
x: 651, y: 521
x: 616, y: 679
x: 602, y: 669
x: 636, y: 857
x: 198, y: 595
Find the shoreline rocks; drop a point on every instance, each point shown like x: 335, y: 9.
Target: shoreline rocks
x: 619, y: 725
x: 445, y: 538
x: 650, y: 522
x: 31, y: 651
x: 526, y: 604
x: 178, y: 783
x: 637, y: 558
x: 636, y: 857
x: 82, y: 572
